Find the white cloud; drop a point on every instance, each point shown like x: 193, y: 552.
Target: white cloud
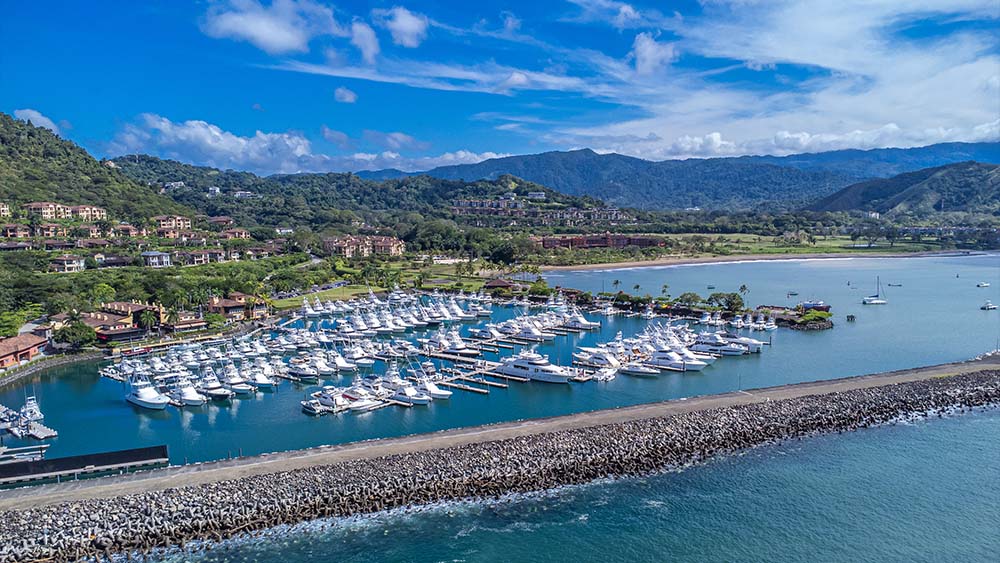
x: 394, y: 141
x: 37, y: 119
x: 344, y: 95
x: 651, y: 56
x: 511, y: 23
x: 363, y: 37
x: 283, y: 27
x: 203, y: 143
x: 407, y: 28
x: 338, y: 138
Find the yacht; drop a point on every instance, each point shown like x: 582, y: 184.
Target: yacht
x: 597, y: 357
x: 331, y: 397
x: 360, y: 398
x: 183, y: 392
x: 983, y: 284
x: 670, y: 360
x: 428, y: 387
x: 313, y: 407
x: 31, y: 411
x: 638, y: 369
x: 988, y: 306
x: 712, y: 343
x: 261, y: 380
x: 231, y: 380
x: 211, y: 387
x: 142, y: 393
x: 533, y: 366
x: 303, y: 372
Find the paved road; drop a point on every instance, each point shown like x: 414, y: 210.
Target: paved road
x: 234, y: 469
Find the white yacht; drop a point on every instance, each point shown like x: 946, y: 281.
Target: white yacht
x: 183, y: 392
x: 638, y: 369
x: 988, y: 306
x: 670, y: 360
x: 877, y: 298
x: 535, y: 367
x: 712, y: 343
x: 983, y: 284
x: 303, y: 372
x: 597, y: 357
x: 313, y: 407
x: 425, y: 385
x: 142, y: 393
x: 31, y: 411
x: 332, y: 397
x: 211, y: 387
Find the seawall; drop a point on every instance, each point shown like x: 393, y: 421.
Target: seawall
x: 174, y: 506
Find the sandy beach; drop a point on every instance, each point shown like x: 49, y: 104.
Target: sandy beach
x: 679, y: 261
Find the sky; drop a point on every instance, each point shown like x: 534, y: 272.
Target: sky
x: 281, y: 86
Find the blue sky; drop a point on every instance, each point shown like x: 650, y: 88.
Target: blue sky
x: 310, y: 85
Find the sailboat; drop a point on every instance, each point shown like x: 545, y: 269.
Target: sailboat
x: 876, y: 299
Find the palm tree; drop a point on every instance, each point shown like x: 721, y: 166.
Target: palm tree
x: 418, y: 280
x: 635, y: 288
x: 744, y: 289
x: 664, y: 289
x: 147, y: 319
x: 616, y: 283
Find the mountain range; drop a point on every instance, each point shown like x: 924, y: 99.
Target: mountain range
x: 748, y: 182
x: 972, y: 187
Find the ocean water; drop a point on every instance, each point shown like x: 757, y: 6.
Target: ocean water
x: 934, y: 317
x: 922, y: 491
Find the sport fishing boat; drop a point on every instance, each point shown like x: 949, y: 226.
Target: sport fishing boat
x: 535, y: 367
x: 211, y: 387
x: 31, y: 411
x: 140, y: 392
x: 313, y: 407
x: 183, y: 392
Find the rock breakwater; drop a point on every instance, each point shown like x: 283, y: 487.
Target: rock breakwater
x: 138, y: 523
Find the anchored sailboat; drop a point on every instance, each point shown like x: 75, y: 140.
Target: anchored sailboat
x: 876, y: 299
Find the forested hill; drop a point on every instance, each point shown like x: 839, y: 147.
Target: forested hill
x: 671, y: 184
x: 37, y: 165
x: 751, y: 182
x: 967, y: 187
x: 325, y: 200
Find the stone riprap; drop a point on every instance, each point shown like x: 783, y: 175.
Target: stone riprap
x: 138, y: 523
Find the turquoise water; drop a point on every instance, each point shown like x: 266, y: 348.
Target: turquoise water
x: 933, y: 318
x: 924, y: 491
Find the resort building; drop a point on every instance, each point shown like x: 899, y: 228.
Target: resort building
x: 540, y: 196
x: 223, y: 221
x: 50, y: 230
x: 243, y: 194
x: 88, y: 213
x: 4, y: 209
x: 254, y: 308
x: 48, y: 210
x: 230, y: 234
x: 606, y: 240
x: 67, y: 264
x: 15, y: 231
x: 155, y: 259
x: 131, y: 311
x: 55, y: 244
x: 233, y: 310
x: 126, y: 230
x: 177, y: 222
x: 363, y: 245
x: 20, y: 348
x: 186, y: 321
x: 5, y: 246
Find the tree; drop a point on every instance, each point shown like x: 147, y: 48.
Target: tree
x: 102, y: 293
x: 664, y: 289
x: 636, y: 288
x: 689, y: 298
x: 616, y: 283
x: 744, y: 289
x: 76, y: 334
x: 148, y: 319
x: 215, y: 320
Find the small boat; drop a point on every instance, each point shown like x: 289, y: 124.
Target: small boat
x: 31, y: 411
x: 711, y: 287
x: 792, y: 293
x: 988, y: 306
x: 638, y: 369
x: 142, y: 394
x: 983, y: 284
x: 314, y: 408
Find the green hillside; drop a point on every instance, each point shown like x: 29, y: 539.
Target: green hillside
x: 37, y: 165
x: 327, y: 200
x: 966, y: 187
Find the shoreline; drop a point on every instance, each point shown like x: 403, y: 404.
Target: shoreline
x: 209, y: 472
x: 640, y: 443
x: 736, y: 258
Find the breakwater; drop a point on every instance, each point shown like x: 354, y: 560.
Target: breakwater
x: 144, y: 521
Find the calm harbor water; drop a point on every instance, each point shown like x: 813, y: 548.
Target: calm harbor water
x: 871, y: 495
x: 934, y: 317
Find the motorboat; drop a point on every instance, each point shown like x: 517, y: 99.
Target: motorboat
x: 713, y: 343
x: 303, y: 372
x: 597, y: 357
x: 332, y: 397
x: 671, y: 360
x: 638, y: 369
x: 983, y: 284
x: 425, y: 385
x: 184, y: 392
x: 142, y: 393
x: 988, y: 306
x: 533, y: 366
x: 313, y: 407
x: 31, y: 411
x: 211, y: 387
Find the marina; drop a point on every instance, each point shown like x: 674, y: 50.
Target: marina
x: 84, y: 407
